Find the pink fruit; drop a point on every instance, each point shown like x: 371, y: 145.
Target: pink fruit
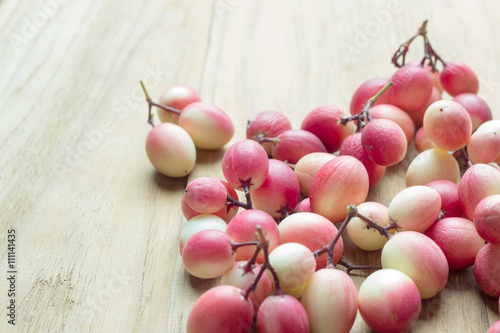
x: 281, y: 189
x: 448, y: 125
x: 199, y: 223
x: 366, y: 91
x: 245, y: 160
x: 171, y: 150
x: 487, y: 219
x: 206, y: 195
x: 292, y: 145
x: 222, y: 309
x: 324, y: 123
x: 434, y: 75
x: 304, y: 206
x: 352, y: 146
x: 422, y: 142
x: 243, y: 226
x: 384, y: 142
x: 484, y: 146
x: 364, y: 238
x: 430, y: 165
x: 487, y: 269
x: 208, y: 126
x: 391, y: 112
x: 450, y: 202
x: 477, y: 108
x: 334, y: 187
x: 389, y: 301
x: 495, y: 328
x: 312, y: 230
x: 418, y: 115
x: 458, y: 239
x: 478, y: 182
x: 420, y: 258
x: 412, y: 88
x: 178, y: 97
x: 307, y: 167
x: 282, y: 314
x: 268, y: 124
x: 458, y: 78
x: 207, y: 254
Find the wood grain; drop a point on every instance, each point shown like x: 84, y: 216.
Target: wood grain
x: 97, y: 228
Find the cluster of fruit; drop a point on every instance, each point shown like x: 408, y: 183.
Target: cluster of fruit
x: 277, y: 256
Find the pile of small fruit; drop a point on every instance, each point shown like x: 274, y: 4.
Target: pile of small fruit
x: 277, y: 249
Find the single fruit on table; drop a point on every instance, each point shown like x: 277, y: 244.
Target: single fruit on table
x: 223, y: 213
x: 384, y: 142
x: 391, y: 112
x: 422, y: 142
x: 313, y: 231
x: 280, y: 191
x: 366, y: 91
x: 208, y: 126
x: 389, y: 301
x: 207, y: 254
x: 222, y: 309
x: 236, y: 276
x: 206, y: 195
x: 308, y: 166
x: 487, y: 219
x: 458, y: 239
x: 420, y: 258
x: 478, y: 182
x: 487, y: 269
x: 418, y: 115
x: 292, y: 145
x: 484, y: 146
x: 450, y: 202
x: 339, y: 183
x: 448, y: 125
x: 458, y: 78
x: 267, y: 124
x: 324, y: 123
x: 430, y: 165
x: 177, y: 97
x: 294, y: 263
x: 242, y: 229
x: 245, y: 160
x: 415, y: 208
x: 171, y: 150
x: 364, y: 238
x: 199, y: 223
x: 282, y: 314
x: 477, y: 108
x: 352, y: 146
x: 412, y: 88
x: 330, y: 300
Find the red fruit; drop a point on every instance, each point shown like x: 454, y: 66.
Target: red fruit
x: 458, y: 78
x: 487, y: 269
x: 282, y: 314
x: 366, y: 91
x: 384, y: 142
x: 292, y: 145
x: 178, y: 97
x: 391, y: 112
x: 269, y: 124
x: 412, y: 88
x: 477, y: 108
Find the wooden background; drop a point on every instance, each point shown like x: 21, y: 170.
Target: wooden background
x: 97, y: 227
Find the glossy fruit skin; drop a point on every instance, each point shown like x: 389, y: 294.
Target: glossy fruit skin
x: 389, y: 301
x: 324, y: 123
x: 333, y: 188
x: 487, y: 269
x: 420, y: 258
x: 208, y: 125
x: 268, y: 123
x: 384, y: 142
x: 244, y: 160
x: 282, y: 314
x: 412, y: 88
x: 171, y: 150
x: 477, y: 108
x: 458, y: 239
x: 221, y: 309
x: 294, y: 144
x: 458, y: 78
x: 178, y: 97
x: 330, y: 299
x: 367, y: 90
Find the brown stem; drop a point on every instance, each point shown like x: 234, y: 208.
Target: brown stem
x: 151, y: 104
x: 351, y: 267
x: 262, y: 138
x: 231, y: 202
x: 371, y: 223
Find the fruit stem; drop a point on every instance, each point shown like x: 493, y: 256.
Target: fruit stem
x: 264, y: 245
x: 371, y: 223
x: 351, y: 267
x: 261, y: 138
x: 151, y: 104
x: 231, y: 202
x: 236, y: 246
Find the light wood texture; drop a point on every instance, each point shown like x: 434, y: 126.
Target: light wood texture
x: 97, y: 227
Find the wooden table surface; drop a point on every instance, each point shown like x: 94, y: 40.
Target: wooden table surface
x: 96, y: 227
